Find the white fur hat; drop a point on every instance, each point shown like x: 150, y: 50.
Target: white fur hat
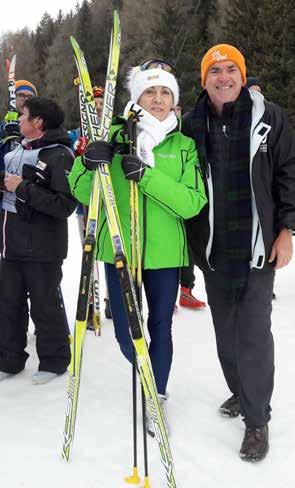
x: 138, y: 81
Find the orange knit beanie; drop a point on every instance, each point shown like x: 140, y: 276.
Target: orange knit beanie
x: 222, y: 52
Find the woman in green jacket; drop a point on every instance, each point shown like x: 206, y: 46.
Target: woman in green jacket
x: 170, y: 190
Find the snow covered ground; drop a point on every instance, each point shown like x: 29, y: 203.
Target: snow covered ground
x: 204, y: 445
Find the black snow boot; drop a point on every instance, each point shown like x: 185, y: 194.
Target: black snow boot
x: 231, y: 407
x: 255, y: 444
x: 107, y: 310
x: 90, y: 324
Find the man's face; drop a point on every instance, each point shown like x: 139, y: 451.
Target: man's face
x: 31, y: 128
x: 98, y: 104
x: 20, y: 98
x: 223, y: 83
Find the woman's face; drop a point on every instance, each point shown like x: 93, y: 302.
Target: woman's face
x: 158, y: 101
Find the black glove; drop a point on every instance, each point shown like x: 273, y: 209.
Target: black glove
x: 98, y: 152
x: 37, y: 174
x: 133, y: 168
x: 11, y: 129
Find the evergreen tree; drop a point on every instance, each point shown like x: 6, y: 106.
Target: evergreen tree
x: 42, y: 41
x: 182, y: 35
x: 264, y: 32
x: 179, y: 30
x: 59, y: 73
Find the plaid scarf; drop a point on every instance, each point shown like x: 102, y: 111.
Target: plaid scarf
x: 229, y: 154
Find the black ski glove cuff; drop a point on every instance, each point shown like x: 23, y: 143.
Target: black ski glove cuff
x: 11, y: 129
x: 98, y: 152
x: 133, y: 168
x: 40, y: 173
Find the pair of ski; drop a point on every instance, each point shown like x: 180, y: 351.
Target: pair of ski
x: 96, y: 316
x: 102, y: 188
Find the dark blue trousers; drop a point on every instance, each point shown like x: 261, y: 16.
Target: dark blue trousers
x: 161, y: 287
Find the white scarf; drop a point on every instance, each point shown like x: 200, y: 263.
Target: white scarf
x: 150, y: 131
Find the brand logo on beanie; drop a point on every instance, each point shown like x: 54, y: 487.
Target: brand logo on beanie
x: 154, y: 77
x: 217, y: 56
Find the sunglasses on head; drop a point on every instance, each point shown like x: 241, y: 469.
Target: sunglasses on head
x: 157, y: 63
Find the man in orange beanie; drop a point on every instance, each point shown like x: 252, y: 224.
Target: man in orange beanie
x: 247, y: 153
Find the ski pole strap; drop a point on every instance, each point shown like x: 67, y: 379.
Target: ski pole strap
x: 133, y: 118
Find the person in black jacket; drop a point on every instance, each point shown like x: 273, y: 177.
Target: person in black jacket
x: 247, y: 153
x: 34, y: 241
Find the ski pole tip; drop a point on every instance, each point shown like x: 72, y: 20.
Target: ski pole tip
x: 134, y: 479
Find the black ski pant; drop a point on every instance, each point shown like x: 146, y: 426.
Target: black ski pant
x: 41, y: 282
x: 187, y: 275
x: 244, y: 341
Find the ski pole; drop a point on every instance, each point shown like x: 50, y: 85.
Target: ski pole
x: 136, y: 272
x: 134, y: 479
x: 139, y: 296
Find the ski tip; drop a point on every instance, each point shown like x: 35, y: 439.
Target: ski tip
x: 65, y: 457
x: 116, y: 18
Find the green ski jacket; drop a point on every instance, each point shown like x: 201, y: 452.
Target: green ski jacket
x: 168, y: 193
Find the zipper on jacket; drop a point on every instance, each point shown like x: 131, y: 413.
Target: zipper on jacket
x: 224, y: 131
x: 144, y: 238
x: 185, y: 244
x: 3, y: 233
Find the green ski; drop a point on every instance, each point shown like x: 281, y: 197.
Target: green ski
x: 89, y: 111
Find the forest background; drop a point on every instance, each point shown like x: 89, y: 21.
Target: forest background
x: 178, y: 30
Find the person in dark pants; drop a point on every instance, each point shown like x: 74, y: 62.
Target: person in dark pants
x: 187, y: 276
x: 170, y: 188
x: 34, y: 241
x: 187, y: 283
x: 247, y: 154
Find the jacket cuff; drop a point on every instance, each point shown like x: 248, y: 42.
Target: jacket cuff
x: 22, y: 190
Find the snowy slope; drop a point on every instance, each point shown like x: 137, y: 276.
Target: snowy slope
x: 205, y: 446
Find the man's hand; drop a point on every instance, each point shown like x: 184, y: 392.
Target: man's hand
x: 282, y: 249
x: 12, y: 181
